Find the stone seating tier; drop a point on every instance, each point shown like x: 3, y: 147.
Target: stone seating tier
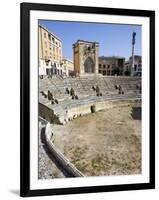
x: 83, y: 87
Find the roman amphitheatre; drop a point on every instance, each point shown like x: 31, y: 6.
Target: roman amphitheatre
x: 89, y: 126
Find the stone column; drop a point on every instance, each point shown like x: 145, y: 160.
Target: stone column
x: 96, y: 58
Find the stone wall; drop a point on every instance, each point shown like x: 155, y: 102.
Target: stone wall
x: 80, y: 110
x: 86, y: 109
x: 47, y: 114
x: 71, y: 170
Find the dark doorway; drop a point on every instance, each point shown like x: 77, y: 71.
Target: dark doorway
x: 136, y: 113
x: 89, y: 65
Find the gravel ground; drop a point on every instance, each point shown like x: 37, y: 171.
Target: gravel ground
x: 47, y: 169
x: 103, y: 143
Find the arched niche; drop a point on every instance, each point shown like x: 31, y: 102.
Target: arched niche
x: 89, y: 65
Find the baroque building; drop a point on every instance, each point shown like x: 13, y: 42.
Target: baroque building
x: 109, y: 66
x: 50, y: 52
x: 68, y: 67
x: 137, y: 70
x: 137, y: 65
x: 85, y: 58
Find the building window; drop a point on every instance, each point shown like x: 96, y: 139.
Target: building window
x: 99, y: 65
x: 44, y: 35
x: 53, y: 39
x: 139, y: 67
x: 108, y: 66
x: 104, y: 66
x: 49, y: 36
x: 108, y: 72
x: 104, y: 72
x: 99, y: 71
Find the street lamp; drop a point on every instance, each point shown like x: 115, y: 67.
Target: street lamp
x: 133, y: 44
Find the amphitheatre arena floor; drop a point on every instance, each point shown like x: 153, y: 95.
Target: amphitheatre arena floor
x: 107, y: 142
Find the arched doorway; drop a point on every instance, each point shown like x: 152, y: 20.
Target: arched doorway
x: 89, y: 65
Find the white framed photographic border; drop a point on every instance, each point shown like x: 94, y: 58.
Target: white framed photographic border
x: 30, y: 184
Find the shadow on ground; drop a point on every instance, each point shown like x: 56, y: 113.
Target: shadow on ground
x: 15, y: 192
x: 136, y: 113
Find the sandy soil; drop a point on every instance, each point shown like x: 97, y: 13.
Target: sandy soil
x: 102, y: 143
